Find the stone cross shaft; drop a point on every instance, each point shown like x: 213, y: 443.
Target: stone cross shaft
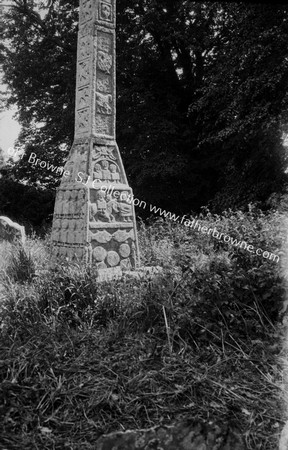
x: 94, y: 218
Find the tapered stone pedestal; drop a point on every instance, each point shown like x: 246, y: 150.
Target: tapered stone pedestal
x: 94, y: 217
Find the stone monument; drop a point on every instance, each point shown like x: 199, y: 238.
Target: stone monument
x: 94, y: 217
x: 11, y: 231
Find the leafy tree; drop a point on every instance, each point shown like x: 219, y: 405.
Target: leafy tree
x: 218, y: 76
x: 163, y: 52
x: 201, y: 96
x: 39, y: 65
x: 242, y: 108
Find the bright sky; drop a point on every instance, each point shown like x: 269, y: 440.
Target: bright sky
x: 9, y: 130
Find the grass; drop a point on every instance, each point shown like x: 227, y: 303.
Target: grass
x: 202, y: 340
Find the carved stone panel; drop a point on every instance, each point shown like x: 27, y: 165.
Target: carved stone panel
x: 104, y: 170
x: 103, y: 152
x: 83, y: 98
x: 80, y: 157
x: 103, y: 103
x: 84, y: 45
x: 82, y: 120
x: 103, y: 84
x: 104, y: 96
x: 105, y: 62
x: 106, y: 250
x: 84, y: 73
x: 86, y: 28
x: 109, y: 207
x: 105, y: 42
x: 104, y: 125
x: 85, y: 11
x: 105, y: 11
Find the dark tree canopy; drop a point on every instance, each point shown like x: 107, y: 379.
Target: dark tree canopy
x: 201, y: 96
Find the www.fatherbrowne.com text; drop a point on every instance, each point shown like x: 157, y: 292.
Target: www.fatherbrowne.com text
x: 194, y: 224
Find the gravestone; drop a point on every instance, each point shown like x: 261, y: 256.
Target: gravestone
x: 185, y: 435
x: 94, y: 217
x: 11, y: 231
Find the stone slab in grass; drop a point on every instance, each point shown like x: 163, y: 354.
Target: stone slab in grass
x: 11, y: 231
x: 186, y: 435
x: 145, y: 272
x: 117, y: 272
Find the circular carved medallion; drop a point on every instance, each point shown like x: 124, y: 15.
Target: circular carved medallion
x: 99, y: 253
x: 124, y: 250
x: 113, y: 258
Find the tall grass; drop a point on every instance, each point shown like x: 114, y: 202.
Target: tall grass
x: 81, y: 358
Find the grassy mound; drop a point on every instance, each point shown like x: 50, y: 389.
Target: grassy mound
x: 79, y: 359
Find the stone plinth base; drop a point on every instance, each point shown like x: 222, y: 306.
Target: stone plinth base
x: 117, y: 273
x: 109, y: 274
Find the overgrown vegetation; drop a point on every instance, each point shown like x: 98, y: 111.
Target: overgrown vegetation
x: 79, y: 358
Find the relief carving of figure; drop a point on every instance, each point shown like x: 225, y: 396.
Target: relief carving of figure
x: 92, y: 212
x: 80, y: 204
x: 97, y: 173
x: 104, y: 43
x: 65, y: 209
x: 64, y: 231
x: 105, y: 12
x: 115, y: 176
x: 55, y: 231
x: 79, y: 237
x: 59, y: 203
x: 82, y: 165
x: 103, y: 85
x: 103, y: 102
x: 101, y: 210
x: 71, y: 231
x: 104, y: 62
x: 112, y: 206
x: 103, y: 125
x: 72, y: 203
x: 106, y: 174
x: 79, y: 252
x: 125, y: 208
x: 101, y: 204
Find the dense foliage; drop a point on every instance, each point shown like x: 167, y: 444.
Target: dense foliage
x: 202, y: 96
x: 79, y: 358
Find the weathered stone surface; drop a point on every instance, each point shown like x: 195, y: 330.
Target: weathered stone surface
x: 94, y: 218
x: 105, y: 274
x: 11, y: 231
x: 186, y: 435
x: 147, y: 272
